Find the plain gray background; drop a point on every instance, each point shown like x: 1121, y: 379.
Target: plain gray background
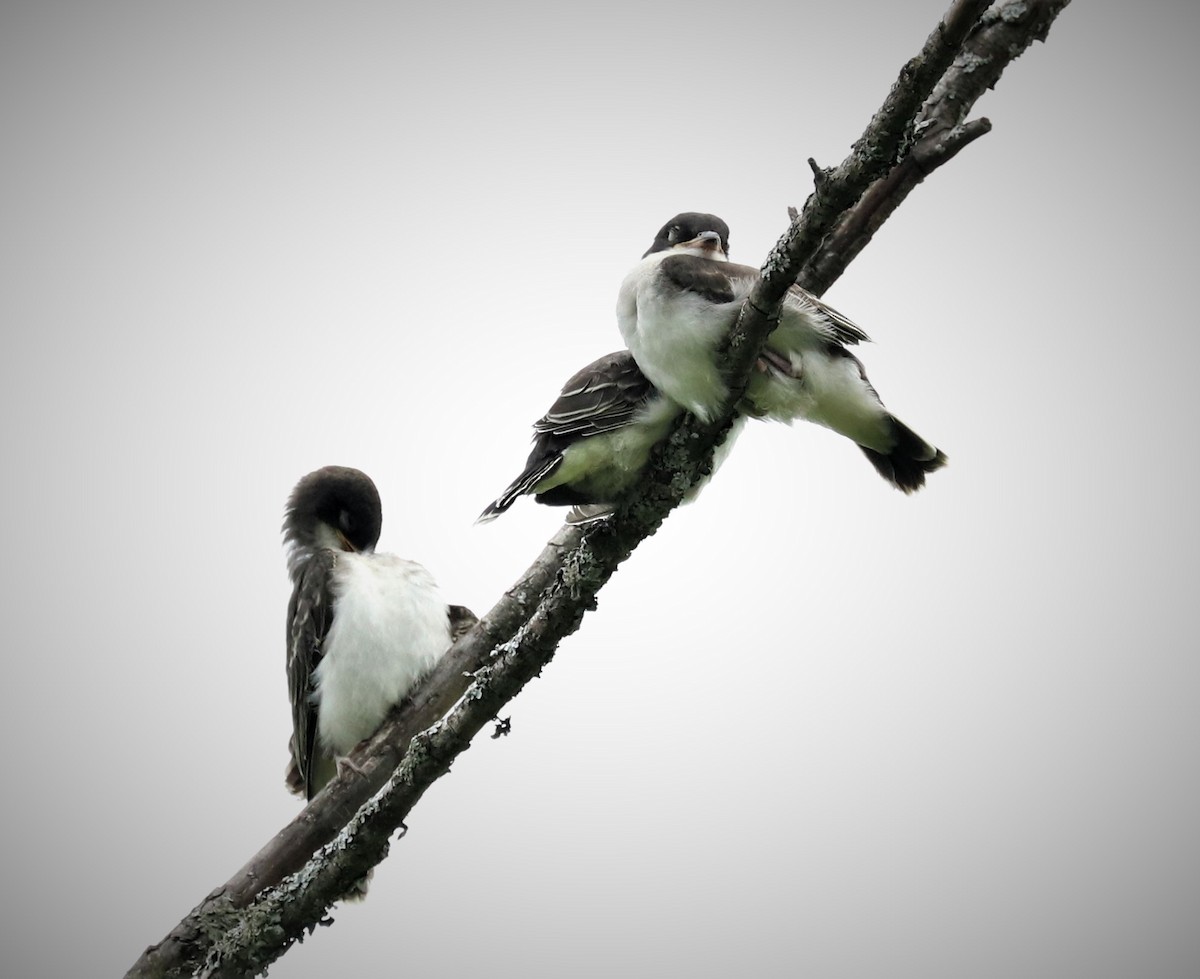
x: 815, y: 728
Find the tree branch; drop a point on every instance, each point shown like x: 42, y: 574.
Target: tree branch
x: 286, y: 888
x: 835, y: 191
x: 1002, y: 35
x: 320, y: 822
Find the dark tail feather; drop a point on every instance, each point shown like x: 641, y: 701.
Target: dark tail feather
x: 533, y: 474
x: 909, y: 461
x: 291, y: 775
x: 499, y: 505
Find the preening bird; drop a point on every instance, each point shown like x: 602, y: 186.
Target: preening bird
x: 679, y: 303
x: 362, y: 627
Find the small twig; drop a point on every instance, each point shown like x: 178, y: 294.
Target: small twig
x: 819, y: 177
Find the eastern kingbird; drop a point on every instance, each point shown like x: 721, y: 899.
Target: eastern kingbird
x: 680, y: 302
x: 362, y: 627
x: 592, y: 444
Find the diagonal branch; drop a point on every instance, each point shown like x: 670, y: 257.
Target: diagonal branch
x: 285, y: 890
x: 1001, y: 36
x: 871, y: 157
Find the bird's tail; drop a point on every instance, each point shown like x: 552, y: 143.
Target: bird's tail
x: 292, y: 777
x: 497, y: 506
x: 519, y: 487
x: 909, y: 460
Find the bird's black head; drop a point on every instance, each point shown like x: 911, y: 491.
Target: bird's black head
x: 334, y: 507
x: 688, y: 227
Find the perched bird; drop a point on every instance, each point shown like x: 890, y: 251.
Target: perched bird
x: 362, y: 627
x: 595, y: 440
x: 679, y: 303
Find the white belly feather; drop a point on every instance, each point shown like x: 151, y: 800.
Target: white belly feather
x: 673, y: 337
x: 389, y: 627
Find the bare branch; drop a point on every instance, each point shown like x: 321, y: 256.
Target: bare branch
x: 1002, y: 35
x: 284, y: 891
x: 871, y: 157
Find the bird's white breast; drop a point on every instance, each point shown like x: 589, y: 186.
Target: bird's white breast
x: 389, y: 627
x: 673, y: 335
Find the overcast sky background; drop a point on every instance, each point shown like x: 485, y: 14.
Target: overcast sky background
x: 815, y: 727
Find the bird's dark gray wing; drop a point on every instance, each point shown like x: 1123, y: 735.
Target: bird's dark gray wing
x: 310, y: 613
x: 600, y: 398
x: 841, y: 328
x: 844, y: 329
x: 705, y: 277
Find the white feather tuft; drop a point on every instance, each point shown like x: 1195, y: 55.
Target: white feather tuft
x: 390, y: 626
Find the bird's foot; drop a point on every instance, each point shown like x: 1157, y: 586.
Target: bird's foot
x: 344, y: 764
x: 769, y: 360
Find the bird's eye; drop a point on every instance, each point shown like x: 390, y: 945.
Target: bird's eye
x: 673, y: 234
x: 344, y: 521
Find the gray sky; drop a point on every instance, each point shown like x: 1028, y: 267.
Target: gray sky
x: 816, y: 727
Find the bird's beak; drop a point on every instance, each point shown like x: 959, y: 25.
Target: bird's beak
x: 706, y: 240
x: 346, y: 545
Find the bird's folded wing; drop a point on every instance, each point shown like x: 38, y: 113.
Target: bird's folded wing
x: 705, y: 277
x: 844, y: 329
x: 310, y: 613
x: 600, y: 398
x: 840, y: 328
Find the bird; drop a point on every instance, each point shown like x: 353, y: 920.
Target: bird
x: 593, y: 443
x: 362, y: 626
x: 678, y: 304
